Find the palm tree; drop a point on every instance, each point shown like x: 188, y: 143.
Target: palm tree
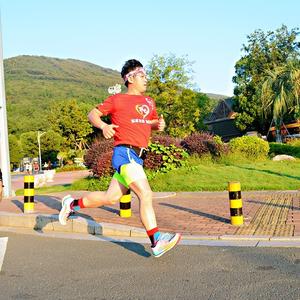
x: 280, y: 92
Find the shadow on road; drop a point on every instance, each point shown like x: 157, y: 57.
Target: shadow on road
x: 19, y: 204
x: 198, y: 213
x: 110, y: 209
x: 133, y: 247
x: 269, y: 172
x: 275, y: 204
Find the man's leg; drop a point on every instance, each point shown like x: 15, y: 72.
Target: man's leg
x: 94, y: 199
x: 143, y: 191
x: 135, y: 177
x: 111, y: 196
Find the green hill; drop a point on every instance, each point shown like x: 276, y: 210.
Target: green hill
x: 216, y: 96
x: 32, y: 83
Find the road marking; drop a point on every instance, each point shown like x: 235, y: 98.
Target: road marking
x: 3, y: 243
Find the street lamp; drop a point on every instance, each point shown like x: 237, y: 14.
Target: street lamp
x: 39, y: 142
x: 4, y: 148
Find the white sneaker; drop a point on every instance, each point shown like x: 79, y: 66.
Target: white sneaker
x: 66, y: 209
x: 166, y: 242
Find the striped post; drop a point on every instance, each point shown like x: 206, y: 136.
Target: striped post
x: 28, y: 194
x: 236, y: 205
x: 125, y: 205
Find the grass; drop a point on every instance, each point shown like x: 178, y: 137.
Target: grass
x: 207, y: 175
x: 47, y: 190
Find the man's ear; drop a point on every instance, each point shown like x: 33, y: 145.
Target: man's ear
x: 130, y: 79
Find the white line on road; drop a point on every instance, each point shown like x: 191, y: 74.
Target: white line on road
x: 3, y: 243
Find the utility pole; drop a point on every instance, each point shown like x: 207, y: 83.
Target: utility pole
x: 4, y: 148
x: 39, y: 143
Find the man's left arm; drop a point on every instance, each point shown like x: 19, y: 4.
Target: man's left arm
x: 158, y: 124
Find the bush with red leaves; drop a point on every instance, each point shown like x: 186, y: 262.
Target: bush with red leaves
x: 201, y: 143
x: 98, y: 158
x: 166, y: 140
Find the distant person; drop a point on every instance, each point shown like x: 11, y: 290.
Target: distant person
x: 28, y: 168
x: 133, y: 116
x: 45, y: 166
x: 36, y: 167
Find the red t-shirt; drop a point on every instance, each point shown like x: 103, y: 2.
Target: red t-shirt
x: 132, y: 113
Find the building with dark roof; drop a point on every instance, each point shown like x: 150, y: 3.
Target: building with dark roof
x: 221, y: 120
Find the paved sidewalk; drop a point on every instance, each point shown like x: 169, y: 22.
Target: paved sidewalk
x: 267, y: 215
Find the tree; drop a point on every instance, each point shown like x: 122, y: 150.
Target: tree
x: 29, y: 144
x: 50, y: 145
x: 264, y: 52
x: 170, y: 84
x: 280, y: 92
x: 69, y: 120
x: 15, y: 150
x: 206, y: 106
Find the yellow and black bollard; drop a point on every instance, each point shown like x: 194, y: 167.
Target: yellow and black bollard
x: 125, y: 205
x: 236, y: 205
x: 28, y: 194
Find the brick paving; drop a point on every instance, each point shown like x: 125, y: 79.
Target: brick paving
x: 192, y: 213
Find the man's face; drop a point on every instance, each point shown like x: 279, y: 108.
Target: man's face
x: 138, y: 79
x: 140, y: 82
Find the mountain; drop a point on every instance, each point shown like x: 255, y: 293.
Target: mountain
x: 33, y: 83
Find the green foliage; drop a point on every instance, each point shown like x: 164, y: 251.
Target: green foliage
x: 263, y: 53
x: 92, y: 184
x: 214, y: 176
x: 279, y: 148
x: 68, y: 119
x: 68, y: 168
x: 280, y: 92
x: 206, y: 106
x: 251, y: 147
x: 33, y: 83
x: 15, y: 150
x: 206, y: 175
x: 29, y: 144
x: 297, y: 112
x: 172, y: 156
x: 294, y: 142
x: 51, y: 142
x: 170, y: 85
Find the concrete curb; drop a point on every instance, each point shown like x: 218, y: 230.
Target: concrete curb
x: 50, y: 223
x: 44, y: 222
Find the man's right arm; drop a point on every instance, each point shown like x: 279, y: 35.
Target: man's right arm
x: 94, y: 117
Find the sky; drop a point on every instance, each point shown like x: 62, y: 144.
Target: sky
x: 107, y: 33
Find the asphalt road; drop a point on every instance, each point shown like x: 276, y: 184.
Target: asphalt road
x: 40, y: 267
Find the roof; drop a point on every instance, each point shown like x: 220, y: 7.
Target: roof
x: 222, y: 111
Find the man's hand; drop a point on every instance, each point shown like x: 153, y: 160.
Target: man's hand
x: 161, y: 123
x: 108, y: 131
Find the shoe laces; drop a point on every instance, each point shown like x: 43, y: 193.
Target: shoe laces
x: 165, y: 237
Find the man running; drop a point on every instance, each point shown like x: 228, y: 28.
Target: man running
x: 133, y: 115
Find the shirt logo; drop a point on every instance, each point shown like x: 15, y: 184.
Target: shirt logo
x: 143, y: 110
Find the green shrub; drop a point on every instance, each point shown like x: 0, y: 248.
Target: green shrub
x: 294, y: 142
x: 164, y: 158
x: 279, y: 148
x: 67, y: 168
x: 92, y: 184
x: 249, y: 146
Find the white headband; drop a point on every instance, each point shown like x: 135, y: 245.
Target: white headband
x: 134, y: 72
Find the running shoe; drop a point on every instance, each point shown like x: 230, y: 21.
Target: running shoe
x: 66, y: 209
x: 165, y: 242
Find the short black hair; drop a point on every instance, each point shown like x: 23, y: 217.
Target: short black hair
x: 129, y: 66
